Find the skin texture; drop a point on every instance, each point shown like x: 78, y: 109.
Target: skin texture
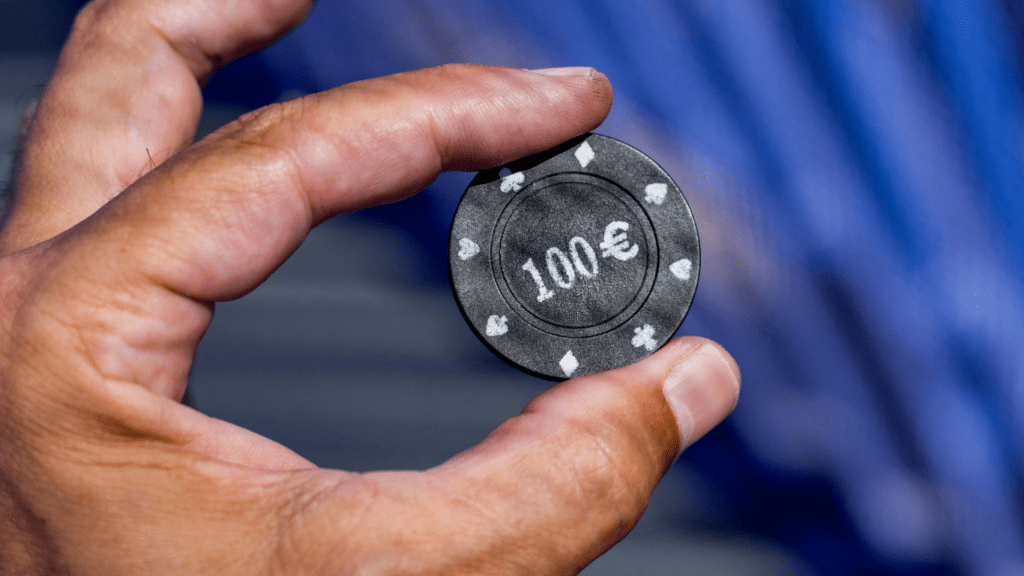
x: 121, y: 235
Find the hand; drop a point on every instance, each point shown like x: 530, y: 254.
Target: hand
x: 120, y: 237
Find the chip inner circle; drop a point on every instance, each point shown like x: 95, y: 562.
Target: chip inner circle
x: 576, y: 255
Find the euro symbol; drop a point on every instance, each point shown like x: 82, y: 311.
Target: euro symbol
x: 616, y: 244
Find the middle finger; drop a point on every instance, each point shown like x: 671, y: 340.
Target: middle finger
x: 124, y: 98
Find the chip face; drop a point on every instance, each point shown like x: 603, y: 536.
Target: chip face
x: 577, y: 260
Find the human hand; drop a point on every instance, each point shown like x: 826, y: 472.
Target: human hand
x: 120, y: 237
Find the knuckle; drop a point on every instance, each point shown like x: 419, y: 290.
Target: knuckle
x: 455, y: 69
x: 267, y: 119
x: 272, y: 138
x: 270, y: 129
x: 91, y: 17
x: 88, y: 15
x: 254, y: 126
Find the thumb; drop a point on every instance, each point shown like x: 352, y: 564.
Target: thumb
x: 551, y: 489
x: 589, y: 452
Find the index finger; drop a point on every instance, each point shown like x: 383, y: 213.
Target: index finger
x: 217, y: 220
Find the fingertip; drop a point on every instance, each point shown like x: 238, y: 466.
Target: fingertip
x: 594, y: 448
x: 702, y: 386
x: 601, y: 87
x: 577, y: 73
x: 596, y: 86
x: 489, y: 115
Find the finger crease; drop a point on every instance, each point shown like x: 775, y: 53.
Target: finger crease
x: 201, y: 63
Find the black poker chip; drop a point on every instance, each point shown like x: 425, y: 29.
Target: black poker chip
x: 577, y: 260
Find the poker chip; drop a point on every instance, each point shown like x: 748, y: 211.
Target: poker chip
x: 577, y: 260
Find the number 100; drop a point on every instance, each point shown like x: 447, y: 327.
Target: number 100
x: 562, y: 271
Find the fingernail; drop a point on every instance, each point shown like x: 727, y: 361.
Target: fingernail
x: 701, y: 389
x: 569, y: 71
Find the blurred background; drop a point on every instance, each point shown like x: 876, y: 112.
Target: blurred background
x: 856, y: 171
